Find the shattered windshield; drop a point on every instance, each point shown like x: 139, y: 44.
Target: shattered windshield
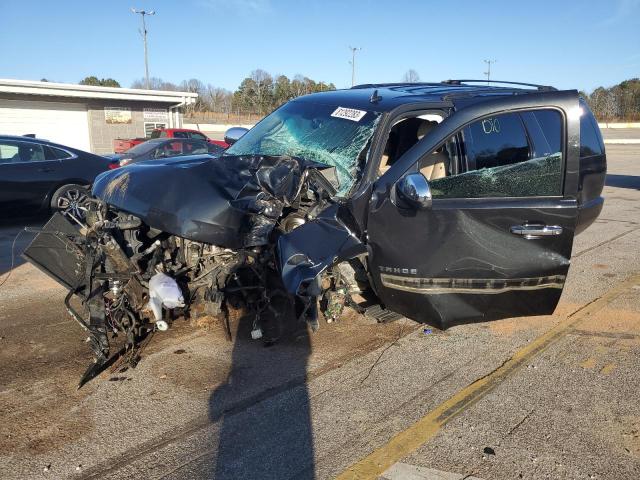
x: 329, y: 134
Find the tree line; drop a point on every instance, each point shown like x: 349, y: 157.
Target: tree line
x: 259, y: 93
x: 620, y: 102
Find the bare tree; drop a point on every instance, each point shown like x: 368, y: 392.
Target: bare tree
x: 411, y: 76
x: 155, y: 83
x: 263, y: 89
x: 610, y: 106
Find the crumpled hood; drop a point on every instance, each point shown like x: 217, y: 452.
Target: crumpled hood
x: 230, y: 201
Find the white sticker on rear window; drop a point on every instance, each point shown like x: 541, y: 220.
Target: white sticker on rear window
x: 349, y: 113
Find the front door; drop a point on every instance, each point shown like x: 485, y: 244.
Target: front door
x: 27, y: 174
x: 496, y: 239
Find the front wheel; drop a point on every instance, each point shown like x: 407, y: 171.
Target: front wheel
x: 71, y: 201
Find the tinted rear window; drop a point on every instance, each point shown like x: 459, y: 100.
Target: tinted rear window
x: 57, y: 154
x: 589, y: 137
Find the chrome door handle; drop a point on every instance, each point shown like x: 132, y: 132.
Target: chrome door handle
x: 536, y: 231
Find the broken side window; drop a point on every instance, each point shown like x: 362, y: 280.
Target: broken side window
x: 500, y: 161
x: 328, y: 134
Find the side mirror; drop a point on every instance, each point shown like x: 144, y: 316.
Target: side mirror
x: 232, y: 135
x: 414, y: 189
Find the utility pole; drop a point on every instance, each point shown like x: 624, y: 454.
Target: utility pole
x: 353, y: 64
x: 144, y: 37
x: 488, y: 72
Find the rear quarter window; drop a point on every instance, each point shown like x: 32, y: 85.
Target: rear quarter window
x: 550, y: 122
x: 57, y: 154
x: 590, y: 139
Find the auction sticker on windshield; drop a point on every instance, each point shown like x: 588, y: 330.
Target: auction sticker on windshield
x: 349, y: 113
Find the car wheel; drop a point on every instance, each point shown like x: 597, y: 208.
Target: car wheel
x: 71, y: 201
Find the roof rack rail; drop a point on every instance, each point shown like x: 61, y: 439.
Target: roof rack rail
x: 539, y: 87
x: 393, y: 84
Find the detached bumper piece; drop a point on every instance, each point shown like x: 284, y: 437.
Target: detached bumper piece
x: 55, y: 252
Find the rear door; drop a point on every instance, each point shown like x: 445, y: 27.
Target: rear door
x: 496, y: 240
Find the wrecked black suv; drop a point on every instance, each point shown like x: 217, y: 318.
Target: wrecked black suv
x: 443, y: 202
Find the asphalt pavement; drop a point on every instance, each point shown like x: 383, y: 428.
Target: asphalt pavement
x: 541, y: 397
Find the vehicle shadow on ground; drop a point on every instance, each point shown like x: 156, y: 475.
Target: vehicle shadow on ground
x: 263, y: 409
x: 13, y: 229
x: 623, y: 181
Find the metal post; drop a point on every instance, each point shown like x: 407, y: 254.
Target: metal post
x: 144, y: 38
x: 488, y: 72
x: 353, y: 64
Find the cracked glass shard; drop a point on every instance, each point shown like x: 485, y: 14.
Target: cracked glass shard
x: 308, y: 130
x: 536, y: 177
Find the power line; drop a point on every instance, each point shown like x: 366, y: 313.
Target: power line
x: 353, y: 63
x: 144, y: 37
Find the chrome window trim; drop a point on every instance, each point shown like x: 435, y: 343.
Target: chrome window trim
x: 27, y: 140
x: 469, y: 285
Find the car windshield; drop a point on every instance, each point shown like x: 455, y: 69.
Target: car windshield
x: 328, y: 134
x: 143, y: 148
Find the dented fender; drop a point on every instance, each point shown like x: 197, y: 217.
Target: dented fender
x: 313, y: 247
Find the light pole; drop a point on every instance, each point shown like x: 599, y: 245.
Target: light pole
x: 353, y: 64
x: 144, y: 37
x: 488, y: 72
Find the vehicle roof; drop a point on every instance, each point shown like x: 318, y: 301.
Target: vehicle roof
x: 22, y: 138
x: 42, y: 141
x: 166, y: 129
x: 384, y: 97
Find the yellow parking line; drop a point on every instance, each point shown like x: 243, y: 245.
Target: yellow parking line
x: 608, y: 368
x: 409, y: 440
x: 589, y: 363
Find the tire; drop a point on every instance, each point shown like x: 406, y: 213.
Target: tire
x: 72, y: 201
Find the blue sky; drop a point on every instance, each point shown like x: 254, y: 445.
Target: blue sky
x: 569, y: 44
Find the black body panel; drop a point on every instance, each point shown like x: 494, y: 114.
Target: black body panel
x: 467, y: 249
x: 324, y: 240
x: 230, y: 201
x: 593, y: 170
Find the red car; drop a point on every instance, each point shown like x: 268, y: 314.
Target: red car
x: 121, y: 145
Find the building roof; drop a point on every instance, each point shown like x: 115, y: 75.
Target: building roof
x: 70, y: 90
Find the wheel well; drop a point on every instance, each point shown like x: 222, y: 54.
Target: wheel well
x: 46, y: 204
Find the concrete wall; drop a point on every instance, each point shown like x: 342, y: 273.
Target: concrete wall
x: 103, y: 134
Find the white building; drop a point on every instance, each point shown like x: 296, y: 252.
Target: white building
x: 86, y: 117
